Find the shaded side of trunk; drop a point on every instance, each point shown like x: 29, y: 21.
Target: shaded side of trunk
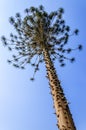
x: 64, y: 117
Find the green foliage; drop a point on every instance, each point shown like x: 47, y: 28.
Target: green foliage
x: 37, y: 30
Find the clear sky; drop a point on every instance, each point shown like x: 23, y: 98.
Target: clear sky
x: 26, y: 105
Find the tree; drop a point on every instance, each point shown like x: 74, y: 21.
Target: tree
x: 43, y: 37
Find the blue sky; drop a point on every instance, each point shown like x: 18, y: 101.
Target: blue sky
x: 28, y: 105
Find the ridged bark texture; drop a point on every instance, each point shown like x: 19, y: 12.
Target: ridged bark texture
x: 64, y: 117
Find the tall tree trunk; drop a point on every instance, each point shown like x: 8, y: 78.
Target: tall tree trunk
x: 64, y: 117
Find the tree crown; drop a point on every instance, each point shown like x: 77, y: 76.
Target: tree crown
x: 36, y: 30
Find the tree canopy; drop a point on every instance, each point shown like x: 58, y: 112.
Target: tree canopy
x: 35, y: 30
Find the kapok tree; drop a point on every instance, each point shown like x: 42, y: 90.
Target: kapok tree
x: 44, y: 37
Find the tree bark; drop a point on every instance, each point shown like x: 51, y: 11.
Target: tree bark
x: 64, y: 117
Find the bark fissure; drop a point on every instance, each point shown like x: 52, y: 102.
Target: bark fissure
x: 64, y: 117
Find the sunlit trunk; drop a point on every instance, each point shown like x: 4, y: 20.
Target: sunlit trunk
x: 64, y: 117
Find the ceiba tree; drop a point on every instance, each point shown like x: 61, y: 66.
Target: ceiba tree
x: 43, y: 37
